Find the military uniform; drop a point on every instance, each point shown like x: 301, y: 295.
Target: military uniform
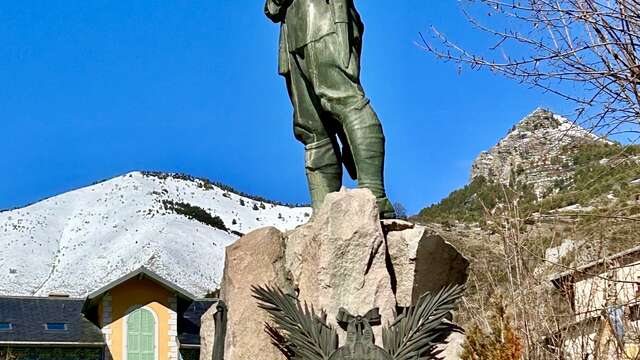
x: 320, y: 48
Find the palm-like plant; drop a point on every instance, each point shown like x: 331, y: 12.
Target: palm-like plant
x: 299, y: 333
x: 416, y: 332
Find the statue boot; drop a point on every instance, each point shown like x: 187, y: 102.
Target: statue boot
x: 366, y: 141
x: 324, y: 170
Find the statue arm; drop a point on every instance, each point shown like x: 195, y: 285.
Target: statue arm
x: 276, y: 9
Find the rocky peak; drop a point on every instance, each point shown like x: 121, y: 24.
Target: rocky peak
x: 540, y: 119
x: 534, y: 152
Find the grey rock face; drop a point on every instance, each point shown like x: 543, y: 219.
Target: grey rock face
x: 207, y: 334
x: 396, y: 225
x: 338, y: 259
x: 532, y: 152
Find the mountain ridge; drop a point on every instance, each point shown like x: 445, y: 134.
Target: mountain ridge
x: 544, y: 163
x: 528, y: 148
x: 164, y: 174
x: 517, y: 236
x: 79, y: 240
x: 76, y: 241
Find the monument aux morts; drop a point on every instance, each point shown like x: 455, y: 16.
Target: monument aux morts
x: 320, y: 48
x: 322, y: 290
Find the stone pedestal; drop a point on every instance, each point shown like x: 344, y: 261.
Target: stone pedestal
x: 344, y: 257
x: 207, y: 333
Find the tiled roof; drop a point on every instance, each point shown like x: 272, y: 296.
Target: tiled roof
x: 590, y: 269
x: 28, y: 316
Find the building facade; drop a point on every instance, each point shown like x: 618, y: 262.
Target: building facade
x: 605, y: 300
x: 140, y: 316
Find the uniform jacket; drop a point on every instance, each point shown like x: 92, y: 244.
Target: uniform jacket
x: 305, y: 21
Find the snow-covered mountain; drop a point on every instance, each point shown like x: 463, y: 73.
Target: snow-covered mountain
x: 172, y: 224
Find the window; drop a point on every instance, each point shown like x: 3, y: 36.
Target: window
x: 6, y: 326
x: 57, y: 326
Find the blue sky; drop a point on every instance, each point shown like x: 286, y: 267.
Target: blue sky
x: 97, y: 88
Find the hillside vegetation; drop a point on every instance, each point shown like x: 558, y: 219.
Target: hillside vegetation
x: 601, y: 172
x: 547, y: 198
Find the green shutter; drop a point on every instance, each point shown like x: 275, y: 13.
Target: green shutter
x: 141, y: 335
x: 133, y: 335
x: 147, y: 336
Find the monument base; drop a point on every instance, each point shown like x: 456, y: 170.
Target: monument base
x: 344, y: 257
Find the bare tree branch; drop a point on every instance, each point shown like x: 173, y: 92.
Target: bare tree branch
x: 585, y: 51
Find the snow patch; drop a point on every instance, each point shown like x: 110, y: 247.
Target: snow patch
x: 576, y: 207
x: 555, y: 254
x: 78, y: 241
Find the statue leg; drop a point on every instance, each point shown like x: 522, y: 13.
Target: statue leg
x: 366, y: 139
x: 324, y: 172
x: 322, y: 155
x: 341, y: 95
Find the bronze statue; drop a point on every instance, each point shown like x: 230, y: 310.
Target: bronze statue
x: 320, y: 47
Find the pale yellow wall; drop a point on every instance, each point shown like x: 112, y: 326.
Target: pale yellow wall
x: 591, y: 293
x: 576, y: 348
x: 136, y: 292
x: 591, y: 299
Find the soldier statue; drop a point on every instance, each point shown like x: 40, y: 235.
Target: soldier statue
x: 320, y: 48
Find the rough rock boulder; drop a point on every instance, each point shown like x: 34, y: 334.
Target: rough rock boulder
x: 423, y: 261
x: 344, y: 257
x: 338, y: 258
x: 255, y: 259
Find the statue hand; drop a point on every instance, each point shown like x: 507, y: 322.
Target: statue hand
x: 276, y: 9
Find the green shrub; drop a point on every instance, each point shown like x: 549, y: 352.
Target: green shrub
x: 470, y: 203
x: 196, y: 213
x: 209, y: 185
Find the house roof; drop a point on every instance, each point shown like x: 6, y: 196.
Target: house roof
x: 189, y: 323
x: 596, y: 267
x: 28, y: 316
x: 142, y: 272
x: 195, y: 311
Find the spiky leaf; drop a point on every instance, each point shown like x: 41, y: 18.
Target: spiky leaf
x: 418, y: 330
x: 280, y: 342
x: 307, y: 334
